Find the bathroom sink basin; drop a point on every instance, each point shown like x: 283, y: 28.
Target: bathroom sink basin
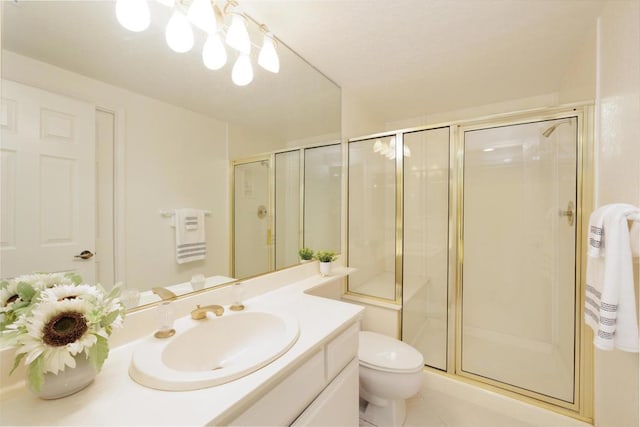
x: 213, y: 351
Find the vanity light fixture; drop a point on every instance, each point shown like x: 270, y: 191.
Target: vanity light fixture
x: 268, y: 58
x: 237, y: 34
x: 389, y: 150
x: 202, y: 15
x: 242, y: 73
x: 179, y: 34
x: 214, y: 55
x: 205, y: 15
x: 133, y: 14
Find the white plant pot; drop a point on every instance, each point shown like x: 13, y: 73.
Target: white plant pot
x: 67, y: 382
x: 325, y: 268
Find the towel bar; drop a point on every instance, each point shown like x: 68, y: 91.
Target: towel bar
x: 169, y: 213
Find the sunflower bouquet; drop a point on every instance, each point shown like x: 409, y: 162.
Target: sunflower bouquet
x: 51, y: 319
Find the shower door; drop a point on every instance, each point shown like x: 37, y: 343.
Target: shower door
x: 518, y: 275
x: 252, y: 243
x: 425, y: 251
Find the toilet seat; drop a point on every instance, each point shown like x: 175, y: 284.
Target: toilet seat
x: 384, y: 353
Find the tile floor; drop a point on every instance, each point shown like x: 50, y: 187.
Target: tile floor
x: 433, y: 408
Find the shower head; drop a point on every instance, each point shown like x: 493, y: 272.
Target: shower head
x: 548, y: 131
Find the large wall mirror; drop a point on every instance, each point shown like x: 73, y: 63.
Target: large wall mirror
x: 105, y: 132
x: 283, y: 202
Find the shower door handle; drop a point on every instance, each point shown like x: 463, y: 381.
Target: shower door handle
x: 569, y: 213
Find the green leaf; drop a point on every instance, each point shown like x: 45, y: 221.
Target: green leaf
x: 110, y: 318
x: 17, y: 361
x: 99, y: 352
x: 36, y: 373
x: 3, y: 284
x: 93, y: 316
x: 76, y: 279
x: 25, y: 291
x: 115, y: 291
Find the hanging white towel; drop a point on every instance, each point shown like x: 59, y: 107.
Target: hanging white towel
x: 635, y: 238
x: 191, y: 242
x: 610, y: 308
x: 596, y: 231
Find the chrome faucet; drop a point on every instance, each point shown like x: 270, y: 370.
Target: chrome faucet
x: 164, y: 293
x: 201, y: 312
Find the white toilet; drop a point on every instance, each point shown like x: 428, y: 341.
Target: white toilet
x: 390, y: 372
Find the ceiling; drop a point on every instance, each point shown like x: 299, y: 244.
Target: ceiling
x: 406, y: 58
x: 400, y: 58
x: 85, y: 37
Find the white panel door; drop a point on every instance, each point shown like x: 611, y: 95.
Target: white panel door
x: 47, y: 182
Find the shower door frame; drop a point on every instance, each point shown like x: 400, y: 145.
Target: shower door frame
x: 270, y: 159
x: 582, y: 407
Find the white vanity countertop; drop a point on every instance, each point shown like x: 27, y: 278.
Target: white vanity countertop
x: 115, y: 399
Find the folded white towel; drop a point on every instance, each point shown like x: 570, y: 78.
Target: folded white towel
x: 610, y: 308
x: 191, y: 242
x: 191, y: 222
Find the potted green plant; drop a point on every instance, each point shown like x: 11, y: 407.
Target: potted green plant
x: 59, y: 328
x: 325, y: 258
x: 305, y: 254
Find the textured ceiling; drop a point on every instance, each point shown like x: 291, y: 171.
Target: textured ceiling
x: 406, y: 58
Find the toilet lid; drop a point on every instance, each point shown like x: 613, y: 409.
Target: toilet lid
x: 388, y: 354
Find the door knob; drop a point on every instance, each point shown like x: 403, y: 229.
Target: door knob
x: 569, y: 213
x: 84, y: 255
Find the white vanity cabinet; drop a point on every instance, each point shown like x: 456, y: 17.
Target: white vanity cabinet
x: 323, y: 391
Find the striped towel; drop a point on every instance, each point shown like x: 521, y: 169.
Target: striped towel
x: 191, y: 242
x: 191, y: 222
x: 596, y: 231
x: 610, y: 308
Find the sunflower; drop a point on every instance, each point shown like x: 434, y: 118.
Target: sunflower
x: 17, y: 294
x: 61, y: 321
x: 57, y: 331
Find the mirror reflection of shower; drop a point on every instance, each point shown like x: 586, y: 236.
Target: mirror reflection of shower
x: 388, y: 150
x: 548, y: 131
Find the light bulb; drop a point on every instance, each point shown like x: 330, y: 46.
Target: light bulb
x: 242, y: 73
x: 268, y: 58
x: 237, y: 36
x: 133, y: 14
x: 378, y: 146
x: 179, y: 34
x: 214, y: 55
x: 202, y: 15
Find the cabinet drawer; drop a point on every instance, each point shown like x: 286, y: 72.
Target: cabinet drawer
x: 282, y: 404
x: 337, y: 405
x: 341, y: 350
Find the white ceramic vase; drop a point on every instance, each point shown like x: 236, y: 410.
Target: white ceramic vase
x: 325, y: 268
x: 67, y: 382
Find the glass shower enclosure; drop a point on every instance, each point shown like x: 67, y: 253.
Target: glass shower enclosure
x: 472, y: 231
x: 398, y: 234
x: 518, y: 283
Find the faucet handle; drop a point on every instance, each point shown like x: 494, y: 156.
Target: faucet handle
x: 165, y: 317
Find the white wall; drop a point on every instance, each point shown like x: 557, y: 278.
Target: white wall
x: 540, y: 101
x: 618, y: 180
x: 247, y: 142
x: 173, y: 158
x: 357, y: 120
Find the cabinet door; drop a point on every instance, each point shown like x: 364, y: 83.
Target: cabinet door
x: 337, y: 405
